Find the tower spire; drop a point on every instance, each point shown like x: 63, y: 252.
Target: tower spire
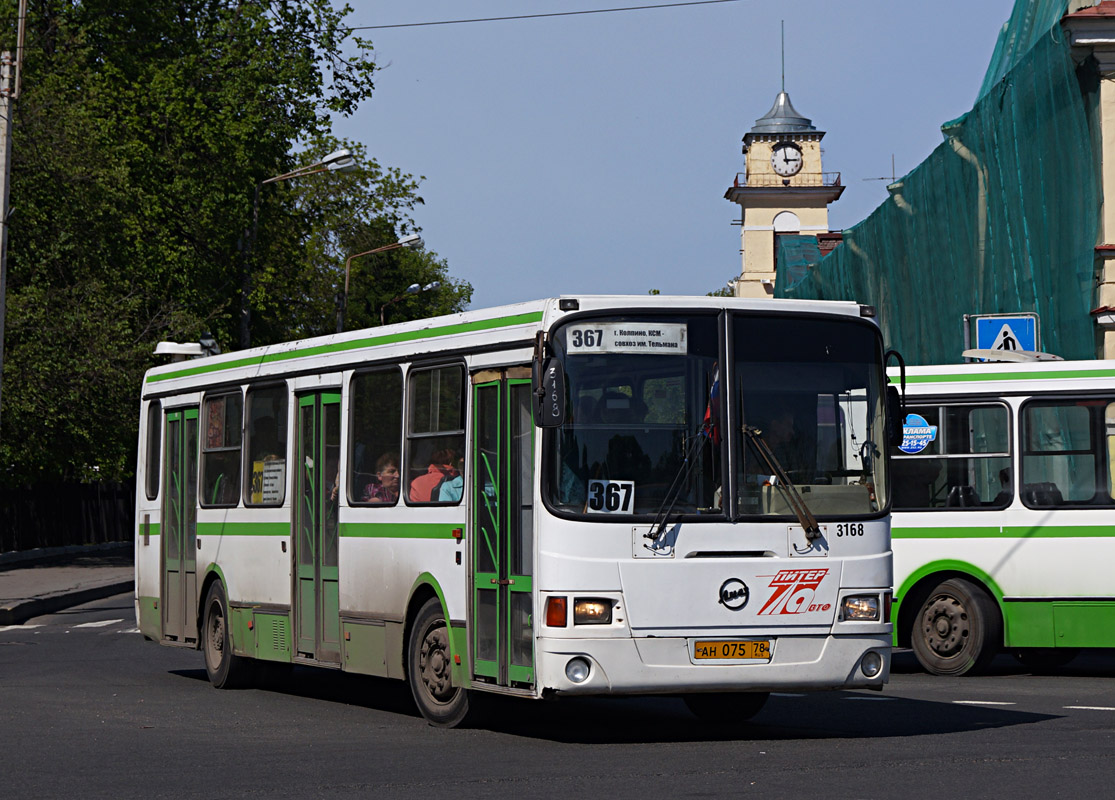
x: 783, y: 55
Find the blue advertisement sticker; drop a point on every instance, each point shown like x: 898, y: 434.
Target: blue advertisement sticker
x: 917, y: 433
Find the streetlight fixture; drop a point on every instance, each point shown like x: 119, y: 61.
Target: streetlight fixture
x: 412, y: 240
x: 338, y: 161
x: 414, y: 288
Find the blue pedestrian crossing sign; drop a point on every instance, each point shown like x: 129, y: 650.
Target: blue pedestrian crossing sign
x: 1007, y: 332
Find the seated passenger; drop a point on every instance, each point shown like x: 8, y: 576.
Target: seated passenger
x: 384, y: 487
x: 452, y: 487
x: 426, y: 487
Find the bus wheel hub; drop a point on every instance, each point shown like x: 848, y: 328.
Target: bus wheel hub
x: 435, y: 664
x: 945, y: 626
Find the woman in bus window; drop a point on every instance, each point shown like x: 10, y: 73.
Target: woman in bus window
x: 384, y: 487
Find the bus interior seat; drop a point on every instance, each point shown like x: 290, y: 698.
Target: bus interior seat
x: 1042, y: 494
x: 962, y: 497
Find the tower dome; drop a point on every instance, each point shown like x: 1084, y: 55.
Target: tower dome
x: 783, y: 118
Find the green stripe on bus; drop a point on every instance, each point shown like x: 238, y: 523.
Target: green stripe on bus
x: 1013, y: 532
x: 397, y: 530
x: 243, y: 529
x: 1007, y: 376
x: 354, y: 344
x: 151, y: 529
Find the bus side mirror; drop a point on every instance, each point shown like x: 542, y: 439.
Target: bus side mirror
x: 895, y: 400
x: 894, y: 416
x: 549, y: 393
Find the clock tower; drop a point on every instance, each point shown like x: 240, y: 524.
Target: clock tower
x: 783, y: 191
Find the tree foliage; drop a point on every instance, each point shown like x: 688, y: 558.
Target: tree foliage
x: 142, y: 130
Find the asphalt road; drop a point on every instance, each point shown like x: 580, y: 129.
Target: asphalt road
x: 89, y: 709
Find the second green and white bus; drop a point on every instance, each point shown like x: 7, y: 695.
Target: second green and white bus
x: 1004, y: 523
x: 567, y: 497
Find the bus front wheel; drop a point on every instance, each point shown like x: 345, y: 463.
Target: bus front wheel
x: 429, y: 669
x: 957, y: 631
x: 225, y: 669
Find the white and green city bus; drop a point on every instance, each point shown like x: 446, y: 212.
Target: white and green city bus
x: 1004, y: 513
x: 567, y: 497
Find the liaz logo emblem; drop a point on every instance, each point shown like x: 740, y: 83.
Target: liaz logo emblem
x: 734, y: 594
x: 794, y: 591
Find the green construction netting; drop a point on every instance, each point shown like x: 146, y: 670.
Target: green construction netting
x: 796, y: 254
x: 1002, y: 217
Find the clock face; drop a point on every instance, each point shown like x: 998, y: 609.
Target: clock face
x: 786, y: 158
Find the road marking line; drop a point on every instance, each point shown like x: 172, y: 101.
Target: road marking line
x: 1092, y: 708
x: 130, y: 630
x: 100, y: 624
x: 4, y: 628
x: 982, y: 703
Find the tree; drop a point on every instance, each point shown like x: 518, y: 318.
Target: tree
x: 141, y: 132
x: 346, y: 214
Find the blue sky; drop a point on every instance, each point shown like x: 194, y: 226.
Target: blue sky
x: 590, y: 154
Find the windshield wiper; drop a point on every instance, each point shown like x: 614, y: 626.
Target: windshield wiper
x: 785, y: 485
x: 662, y: 516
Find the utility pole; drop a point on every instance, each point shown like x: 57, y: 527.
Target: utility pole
x: 8, y: 95
x: 5, y: 185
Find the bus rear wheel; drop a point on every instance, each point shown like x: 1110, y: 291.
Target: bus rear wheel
x: 725, y: 708
x: 957, y: 630
x: 225, y: 669
x: 429, y: 669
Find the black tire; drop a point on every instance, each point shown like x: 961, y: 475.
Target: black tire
x: 957, y: 630
x: 429, y: 669
x: 725, y: 708
x: 225, y: 670
x: 1043, y: 660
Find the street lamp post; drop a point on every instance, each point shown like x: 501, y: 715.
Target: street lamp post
x: 338, y: 161
x: 414, y: 288
x: 413, y: 240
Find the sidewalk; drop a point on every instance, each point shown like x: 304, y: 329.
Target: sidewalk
x: 44, y: 581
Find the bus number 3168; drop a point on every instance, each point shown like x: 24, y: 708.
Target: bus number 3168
x: 849, y: 529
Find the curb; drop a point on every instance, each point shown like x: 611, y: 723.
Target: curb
x: 24, y: 610
x: 14, y: 557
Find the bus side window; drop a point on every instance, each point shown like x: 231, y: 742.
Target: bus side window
x: 1059, y: 462
x: 1109, y: 440
x: 962, y: 463
x: 435, y: 436
x: 220, y: 452
x: 377, y: 430
x: 154, y: 448
x: 267, y: 438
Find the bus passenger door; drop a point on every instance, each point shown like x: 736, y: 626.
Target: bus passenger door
x: 179, y: 526
x: 316, y: 592
x: 502, y: 532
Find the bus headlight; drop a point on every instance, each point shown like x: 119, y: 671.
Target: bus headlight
x: 592, y: 611
x: 577, y: 670
x: 861, y: 607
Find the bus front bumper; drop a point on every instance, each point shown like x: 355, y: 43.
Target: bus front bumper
x: 664, y: 665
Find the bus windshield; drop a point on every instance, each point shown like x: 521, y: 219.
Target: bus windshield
x: 812, y: 389
x: 646, y: 420
x: 638, y: 391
